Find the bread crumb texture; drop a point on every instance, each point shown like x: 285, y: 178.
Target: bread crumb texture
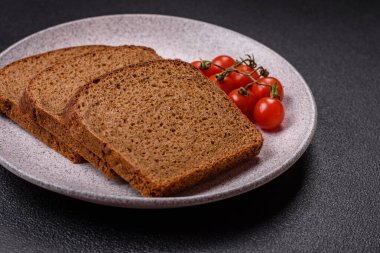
x: 52, y: 89
x: 163, y: 126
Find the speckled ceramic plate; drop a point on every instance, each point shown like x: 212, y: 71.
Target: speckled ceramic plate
x: 171, y: 37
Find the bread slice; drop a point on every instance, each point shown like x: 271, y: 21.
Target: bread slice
x: 15, y: 77
x: 161, y: 126
x: 48, y: 93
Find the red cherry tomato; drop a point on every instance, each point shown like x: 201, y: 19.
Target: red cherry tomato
x: 264, y: 91
x: 207, y: 72
x: 268, y: 113
x: 253, y: 103
x: 227, y: 85
x: 243, y: 99
x: 242, y: 80
x: 224, y: 61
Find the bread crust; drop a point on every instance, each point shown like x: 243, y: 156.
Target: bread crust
x: 59, y: 131
x: 43, y: 135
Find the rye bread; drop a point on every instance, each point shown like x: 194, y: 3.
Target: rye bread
x: 15, y: 77
x: 162, y: 126
x: 48, y: 93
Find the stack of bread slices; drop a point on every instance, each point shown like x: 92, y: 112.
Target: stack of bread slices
x: 158, y: 124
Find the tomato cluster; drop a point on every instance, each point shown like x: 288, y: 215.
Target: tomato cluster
x: 256, y: 94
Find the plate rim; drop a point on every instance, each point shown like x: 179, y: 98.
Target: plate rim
x: 168, y: 202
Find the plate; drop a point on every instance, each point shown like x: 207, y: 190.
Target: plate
x: 171, y: 37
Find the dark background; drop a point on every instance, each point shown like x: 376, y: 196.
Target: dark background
x: 328, y: 201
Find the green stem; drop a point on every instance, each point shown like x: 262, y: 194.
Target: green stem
x: 274, y: 91
x: 226, y: 71
x: 242, y: 91
x: 205, y: 64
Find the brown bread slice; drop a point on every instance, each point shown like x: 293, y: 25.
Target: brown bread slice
x: 48, y: 93
x: 162, y: 126
x: 15, y: 77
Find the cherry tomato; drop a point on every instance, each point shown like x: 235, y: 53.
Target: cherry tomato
x: 253, y: 103
x: 207, y: 72
x: 264, y: 91
x: 224, y: 61
x: 227, y: 85
x: 242, y: 80
x: 268, y: 113
x: 244, y: 100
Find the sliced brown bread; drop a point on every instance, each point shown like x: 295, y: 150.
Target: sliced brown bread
x: 48, y: 93
x: 15, y: 77
x: 161, y: 126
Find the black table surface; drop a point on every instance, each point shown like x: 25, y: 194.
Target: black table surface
x: 328, y: 201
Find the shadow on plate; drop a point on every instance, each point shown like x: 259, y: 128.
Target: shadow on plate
x: 247, y: 211
x: 221, y: 179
